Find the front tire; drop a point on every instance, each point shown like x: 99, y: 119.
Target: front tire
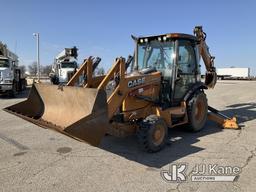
x: 55, y: 80
x: 12, y: 93
x: 152, y: 134
x: 197, y: 111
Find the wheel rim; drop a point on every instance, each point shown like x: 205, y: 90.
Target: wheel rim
x: 199, y: 110
x: 158, y: 135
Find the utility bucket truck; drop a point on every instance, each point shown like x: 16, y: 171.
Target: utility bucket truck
x: 64, y: 66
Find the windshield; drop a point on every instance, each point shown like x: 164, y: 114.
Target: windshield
x: 68, y: 65
x: 156, y: 54
x: 4, y: 63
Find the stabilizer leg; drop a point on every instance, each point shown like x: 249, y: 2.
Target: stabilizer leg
x: 225, y: 121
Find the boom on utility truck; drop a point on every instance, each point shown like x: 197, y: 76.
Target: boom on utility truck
x: 64, y: 66
x: 12, y: 79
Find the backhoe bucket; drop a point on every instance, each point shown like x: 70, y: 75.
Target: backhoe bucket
x: 77, y: 112
x: 210, y: 79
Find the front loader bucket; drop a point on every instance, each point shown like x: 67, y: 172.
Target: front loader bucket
x: 77, y: 112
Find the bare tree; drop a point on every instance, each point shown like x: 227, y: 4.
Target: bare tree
x: 32, y: 68
x: 100, y: 71
x: 46, y: 70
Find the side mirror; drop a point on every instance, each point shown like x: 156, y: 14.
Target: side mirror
x: 13, y: 64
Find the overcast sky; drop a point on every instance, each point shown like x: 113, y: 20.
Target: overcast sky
x: 103, y: 28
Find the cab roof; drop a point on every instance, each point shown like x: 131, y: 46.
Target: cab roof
x: 170, y: 36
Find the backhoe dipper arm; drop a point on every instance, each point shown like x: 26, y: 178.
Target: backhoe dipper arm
x: 211, y: 76
x: 210, y: 80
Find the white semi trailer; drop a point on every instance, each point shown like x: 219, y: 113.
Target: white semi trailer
x: 12, y: 80
x: 233, y: 73
x: 64, y: 66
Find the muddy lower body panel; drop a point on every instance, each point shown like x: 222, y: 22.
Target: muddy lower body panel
x: 77, y: 112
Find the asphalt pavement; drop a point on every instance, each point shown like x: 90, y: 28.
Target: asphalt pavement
x: 37, y: 159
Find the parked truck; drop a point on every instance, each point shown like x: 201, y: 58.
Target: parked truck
x: 64, y: 66
x: 12, y: 79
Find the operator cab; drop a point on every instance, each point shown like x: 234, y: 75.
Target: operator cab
x: 69, y: 64
x: 176, y: 57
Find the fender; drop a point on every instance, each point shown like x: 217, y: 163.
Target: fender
x: 195, y: 88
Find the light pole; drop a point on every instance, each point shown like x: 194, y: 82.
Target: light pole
x: 37, y: 53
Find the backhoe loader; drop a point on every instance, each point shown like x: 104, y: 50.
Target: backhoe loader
x: 163, y: 90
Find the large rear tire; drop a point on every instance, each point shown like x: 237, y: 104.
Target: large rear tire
x: 197, y: 112
x: 152, y: 134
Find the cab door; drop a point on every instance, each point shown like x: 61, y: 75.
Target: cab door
x: 187, y: 69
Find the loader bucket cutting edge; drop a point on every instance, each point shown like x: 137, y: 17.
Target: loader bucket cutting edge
x: 77, y: 112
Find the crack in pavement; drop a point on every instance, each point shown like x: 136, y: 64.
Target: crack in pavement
x: 7, y: 168
x: 189, y: 174
x: 46, y: 167
x: 236, y: 137
x: 236, y: 185
x: 248, y: 159
x: 13, y: 142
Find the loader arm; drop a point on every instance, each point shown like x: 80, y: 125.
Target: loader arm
x: 87, y: 68
x: 83, y: 69
x: 211, y: 76
x: 122, y: 90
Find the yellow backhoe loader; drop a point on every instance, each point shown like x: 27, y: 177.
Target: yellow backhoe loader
x: 163, y: 90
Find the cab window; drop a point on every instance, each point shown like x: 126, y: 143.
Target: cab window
x: 187, y: 59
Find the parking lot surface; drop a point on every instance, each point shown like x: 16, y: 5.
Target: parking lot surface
x: 37, y: 159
